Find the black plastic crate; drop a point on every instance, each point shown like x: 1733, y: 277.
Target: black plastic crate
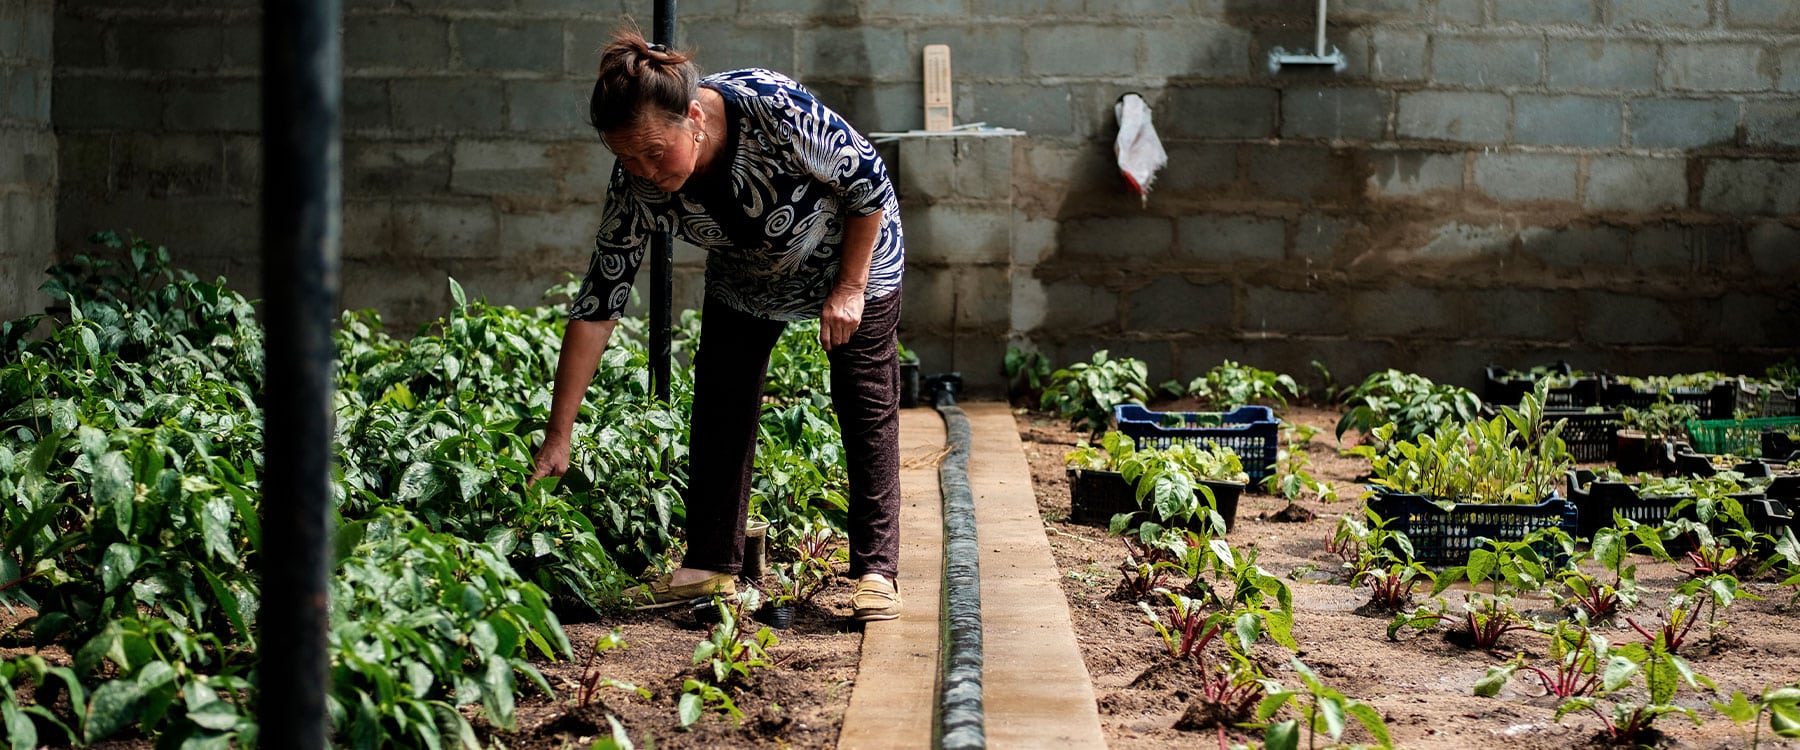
x: 1764, y: 400
x: 1096, y: 496
x: 1596, y: 502
x: 1252, y: 432
x: 1717, y: 402
x: 1592, y: 437
x: 1446, y: 537
x: 1497, y: 388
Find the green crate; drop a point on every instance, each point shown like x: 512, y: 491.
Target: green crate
x: 1734, y: 436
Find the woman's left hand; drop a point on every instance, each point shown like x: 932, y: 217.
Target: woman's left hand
x: 841, y: 316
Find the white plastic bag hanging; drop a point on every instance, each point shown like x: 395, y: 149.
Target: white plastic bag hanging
x: 1139, y: 151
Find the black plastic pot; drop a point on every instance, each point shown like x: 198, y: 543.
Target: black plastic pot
x: 1096, y: 496
x: 909, y: 385
x: 778, y: 617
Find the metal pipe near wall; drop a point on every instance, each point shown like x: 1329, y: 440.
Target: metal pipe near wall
x: 662, y: 251
x: 302, y: 194
x: 1319, y: 41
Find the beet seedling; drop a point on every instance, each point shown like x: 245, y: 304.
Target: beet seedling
x: 1392, y: 587
x: 592, y: 682
x: 1578, y: 654
x: 1189, y: 628
x: 1630, y: 720
x: 1782, y: 704
x: 1485, y: 619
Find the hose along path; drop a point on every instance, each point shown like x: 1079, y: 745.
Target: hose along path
x: 960, y: 723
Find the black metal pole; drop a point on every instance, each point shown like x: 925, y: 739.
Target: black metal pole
x: 662, y: 250
x: 302, y: 193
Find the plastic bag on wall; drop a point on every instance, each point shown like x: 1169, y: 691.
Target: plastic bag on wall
x: 1139, y: 151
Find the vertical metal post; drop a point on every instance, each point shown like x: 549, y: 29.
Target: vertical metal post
x: 302, y: 194
x: 662, y: 251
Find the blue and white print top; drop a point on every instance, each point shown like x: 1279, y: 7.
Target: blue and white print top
x: 773, y: 240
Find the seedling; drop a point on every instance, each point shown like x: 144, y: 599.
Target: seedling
x: 1782, y: 704
x: 1392, y: 587
x: 1189, y: 628
x: 592, y: 681
x: 1086, y: 392
x: 1630, y: 718
x: 1578, y: 654
x: 1325, y: 710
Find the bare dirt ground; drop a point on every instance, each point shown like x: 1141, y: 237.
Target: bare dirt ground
x: 1421, y: 684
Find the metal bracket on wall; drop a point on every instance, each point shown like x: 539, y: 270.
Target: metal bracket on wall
x: 1280, y: 57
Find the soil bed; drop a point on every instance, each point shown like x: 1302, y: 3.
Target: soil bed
x: 1420, y: 684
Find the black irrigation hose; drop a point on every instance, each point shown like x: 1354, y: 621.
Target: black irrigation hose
x: 960, y: 722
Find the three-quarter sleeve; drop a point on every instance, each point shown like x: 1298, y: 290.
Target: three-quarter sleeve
x: 626, y: 224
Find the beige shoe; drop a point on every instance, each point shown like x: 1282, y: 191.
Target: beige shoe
x: 658, y: 593
x: 875, y: 599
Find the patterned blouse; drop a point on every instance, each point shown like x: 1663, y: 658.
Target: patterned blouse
x: 773, y: 239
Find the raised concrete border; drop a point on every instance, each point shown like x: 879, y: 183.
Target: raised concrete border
x: 895, y: 696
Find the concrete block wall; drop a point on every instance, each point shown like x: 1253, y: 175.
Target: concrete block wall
x: 27, y: 156
x: 1615, y: 182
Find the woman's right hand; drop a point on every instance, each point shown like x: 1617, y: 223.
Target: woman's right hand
x: 552, y: 459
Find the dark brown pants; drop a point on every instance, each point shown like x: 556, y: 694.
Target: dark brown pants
x: 729, y: 369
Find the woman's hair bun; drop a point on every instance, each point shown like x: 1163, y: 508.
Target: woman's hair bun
x: 637, y: 77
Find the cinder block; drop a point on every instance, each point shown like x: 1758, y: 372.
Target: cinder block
x: 166, y: 165
x: 1683, y: 123
x: 1223, y: 239
x: 1022, y: 8
x: 1519, y: 314
x: 1172, y: 303
x: 1607, y: 65
x: 367, y: 106
x: 448, y: 105
x: 1044, y: 110
x: 564, y: 236
x: 1679, y: 248
x: 1790, y: 69
x: 926, y: 170
x: 83, y: 164
x: 812, y: 9
x: 376, y: 169
x: 233, y: 106
x: 1775, y: 248
x: 1487, y: 61
x: 1034, y: 239
x: 979, y: 52
x: 1184, y: 50
x: 1651, y: 14
x: 1127, y: 240
x: 1578, y: 12
x: 549, y: 107
x: 1715, y: 67
x: 906, y: 8
x: 721, y: 46
x: 243, y: 166
x: 583, y: 170
x: 1403, y: 310
x: 1751, y: 186
x: 984, y: 299
x: 82, y: 103
x: 1635, y: 183
x: 1458, y: 241
x: 1453, y: 116
x: 1378, y: 10
x: 500, y: 168
x: 159, y: 47
x: 1304, y: 173
x: 79, y: 42
x: 1317, y: 238
x: 1415, y: 172
x: 26, y: 96
x: 856, y: 52
x: 1219, y: 112
x: 445, y: 230
x: 396, y: 42
x: 1591, y: 248
x: 243, y: 47
x: 1762, y: 14
x: 1335, y: 113
x: 619, y: 7
x: 1515, y: 176
x: 983, y: 168
x: 1293, y: 37
x: 1774, y: 123
x: 1271, y: 310
x: 368, y: 227
x: 1627, y: 319
x: 532, y: 46
x: 1197, y: 168
x: 958, y: 234
x: 1081, y: 50
x: 1566, y: 121
x: 1397, y: 55
x: 1461, y: 11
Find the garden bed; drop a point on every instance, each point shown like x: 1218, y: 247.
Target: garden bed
x: 1422, y: 684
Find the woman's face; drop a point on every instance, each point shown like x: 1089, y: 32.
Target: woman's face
x: 657, y: 150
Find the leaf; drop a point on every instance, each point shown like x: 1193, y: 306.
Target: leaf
x: 1739, y: 710
x: 117, y: 565
x: 1489, y: 685
x: 215, y: 527
x: 1618, y: 672
x: 1331, y: 711
x: 1284, y: 735
x: 1784, y: 720
x: 689, y: 708
x: 218, y: 716
x: 19, y: 729
x: 456, y: 295
x: 1371, y: 720
x: 112, y: 707
x: 113, y: 488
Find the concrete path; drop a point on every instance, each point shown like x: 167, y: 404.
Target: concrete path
x: 1036, y: 689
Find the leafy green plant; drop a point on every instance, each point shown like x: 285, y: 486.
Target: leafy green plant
x: 1630, y: 716
x: 1027, y: 372
x: 1664, y: 419
x: 1325, y: 710
x: 1596, y: 599
x: 593, y: 680
x: 1411, y: 403
x: 1189, y: 629
x: 1782, y: 704
x: 1233, y: 384
x: 1391, y: 586
x: 1577, y: 655
x: 1086, y: 392
x: 1516, y: 457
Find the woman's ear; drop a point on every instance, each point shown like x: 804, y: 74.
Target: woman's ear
x: 696, y: 115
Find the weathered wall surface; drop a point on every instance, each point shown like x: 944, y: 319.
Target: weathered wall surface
x: 1615, y: 182
x: 27, y: 155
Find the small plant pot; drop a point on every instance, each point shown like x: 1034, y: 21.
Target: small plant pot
x: 1636, y: 453
x: 779, y: 617
x: 756, y: 549
x: 909, y: 385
